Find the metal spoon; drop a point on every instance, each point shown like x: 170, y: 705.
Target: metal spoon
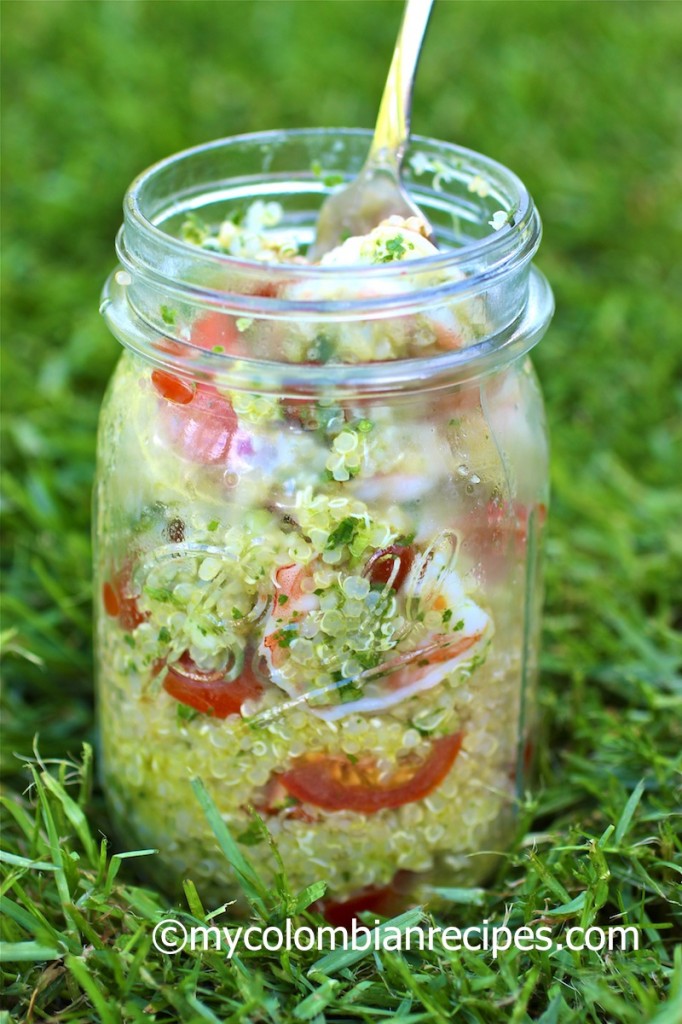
x: 377, y: 192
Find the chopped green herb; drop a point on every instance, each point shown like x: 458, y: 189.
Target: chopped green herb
x: 184, y: 713
x: 321, y: 349
x: 286, y: 636
x: 329, y: 178
x: 364, y: 426
x: 392, y: 249
x: 283, y: 598
x: 344, y: 533
x: 168, y: 315
x: 349, y: 691
x: 159, y: 594
x: 164, y: 635
x: 213, y: 525
x: 369, y: 659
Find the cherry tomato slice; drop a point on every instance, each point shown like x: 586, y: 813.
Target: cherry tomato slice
x: 210, y: 692
x: 172, y: 388
x: 171, y: 347
x: 110, y: 600
x: 383, y: 902
x: 198, y: 421
x: 334, y: 783
x: 274, y: 799
x: 381, y: 565
x: 120, y: 602
x: 218, y: 331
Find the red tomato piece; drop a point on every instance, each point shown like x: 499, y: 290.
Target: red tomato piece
x: 384, y: 902
x: 119, y: 600
x: 210, y: 692
x: 172, y: 388
x: 267, y: 290
x: 335, y: 783
x: 130, y: 615
x: 275, y: 799
x: 198, y: 421
x: 218, y: 331
x: 380, y: 566
x: 110, y: 600
x: 171, y: 348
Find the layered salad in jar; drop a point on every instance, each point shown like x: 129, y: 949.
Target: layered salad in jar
x: 323, y: 607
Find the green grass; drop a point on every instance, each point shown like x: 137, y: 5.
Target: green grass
x: 583, y: 101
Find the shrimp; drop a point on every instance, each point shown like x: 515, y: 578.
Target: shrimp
x: 418, y: 627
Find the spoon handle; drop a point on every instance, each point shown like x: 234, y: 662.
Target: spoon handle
x: 393, y: 121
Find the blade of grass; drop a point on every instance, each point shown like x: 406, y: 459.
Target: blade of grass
x: 335, y: 961
x: 628, y: 811
x: 13, y: 858
x: 473, y: 897
x: 115, y: 865
x: 75, y: 815
x: 251, y: 883
x: 317, y: 1001
x: 55, y: 849
x: 15, y: 952
x: 79, y: 970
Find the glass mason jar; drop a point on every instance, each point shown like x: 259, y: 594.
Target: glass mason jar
x: 320, y: 498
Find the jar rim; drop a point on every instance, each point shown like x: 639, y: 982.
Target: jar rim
x: 409, y: 375
x: 521, y: 237
x: 158, y: 265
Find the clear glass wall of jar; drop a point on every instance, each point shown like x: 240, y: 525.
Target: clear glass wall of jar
x: 320, y: 499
